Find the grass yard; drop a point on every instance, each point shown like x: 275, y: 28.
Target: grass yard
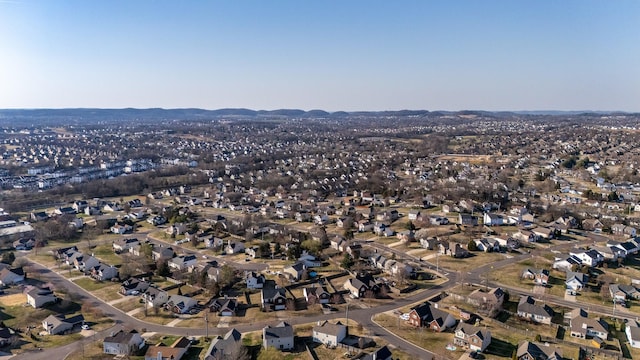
x: 425, y: 338
x: 195, y: 322
x: 13, y: 300
x: 104, y: 252
x: 90, y: 284
x: 466, y: 264
x: 130, y: 304
x: 108, y: 293
x: 163, y: 317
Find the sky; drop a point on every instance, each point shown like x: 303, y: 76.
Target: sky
x: 333, y: 55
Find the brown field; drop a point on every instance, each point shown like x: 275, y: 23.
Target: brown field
x: 13, y: 300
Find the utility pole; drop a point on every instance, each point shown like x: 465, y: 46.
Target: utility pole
x: 347, y: 316
x: 206, y: 323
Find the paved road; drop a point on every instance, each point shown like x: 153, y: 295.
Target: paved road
x: 362, y: 316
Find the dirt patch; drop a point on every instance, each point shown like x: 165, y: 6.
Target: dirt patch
x: 13, y: 300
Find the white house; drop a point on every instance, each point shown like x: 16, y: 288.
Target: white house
x: 254, y: 280
x: 182, y: 262
x: 633, y: 333
x: 279, y: 336
x: 123, y: 343
x: 589, y: 257
x: 329, y: 334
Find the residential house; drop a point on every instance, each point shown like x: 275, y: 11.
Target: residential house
x: 487, y: 245
x: 381, y: 354
x: 625, y: 249
x: 576, y: 281
x: 617, y: 294
x: 585, y: 327
x: 428, y: 315
x: 84, y: 262
x: 528, y: 350
x: 156, y: 220
x: 11, y: 276
x: 486, y: 300
x: 414, y: 215
x: 121, y: 228
x: 254, y: 280
x: 111, y: 207
x: 406, y: 236
x: 316, y: 295
x: 180, y: 304
x: 234, y: 247
x: 176, y: 229
x: 104, y: 272
x: 354, y: 250
x: 124, y: 244
x: 24, y: 244
x: 467, y: 219
x: 133, y: 286
x: 359, y: 286
x: 379, y: 228
x: 295, y: 271
x: 6, y: 336
x: 39, y: 216
x: 279, y: 336
x: 337, y: 242
x: 594, y: 225
x: 457, y: 251
x: 438, y: 220
x: 160, y: 252
x: 182, y: 262
x: 527, y: 308
x: 309, y: 260
x: 38, y: 297
x: 365, y: 226
x: 589, y: 257
x: 59, y: 324
x: 543, y: 233
x: 539, y: 277
x: 610, y: 253
x: 429, y: 243
x: 525, y: 236
x: 155, y: 297
x: 174, y: 352
x: 224, y: 348
x: 123, y: 343
x: 329, y: 334
x: 491, y: 219
x: 632, y: 330
x: 567, y: 263
x: 224, y: 306
x: 471, y: 337
x: 272, y: 297
x: 630, y: 291
x: 620, y: 229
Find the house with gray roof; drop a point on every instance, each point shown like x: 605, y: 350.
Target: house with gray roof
x: 279, y: 336
x: 529, y: 309
x: 224, y: 347
x: 329, y: 334
x: 123, y: 343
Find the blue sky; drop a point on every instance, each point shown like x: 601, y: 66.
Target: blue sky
x: 332, y: 55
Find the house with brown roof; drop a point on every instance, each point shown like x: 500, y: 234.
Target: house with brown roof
x: 472, y: 337
x: 428, y: 315
x: 174, y: 352
x: 528, y: 350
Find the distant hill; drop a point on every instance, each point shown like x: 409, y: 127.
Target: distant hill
x: 9, y: 117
